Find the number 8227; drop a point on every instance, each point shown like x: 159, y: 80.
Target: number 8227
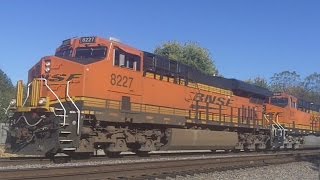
x: 122, y: 81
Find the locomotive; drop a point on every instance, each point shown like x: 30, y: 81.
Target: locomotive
x: 97, y: 93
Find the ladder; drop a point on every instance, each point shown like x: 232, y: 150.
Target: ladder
x: 67, y: 136
x: 278, y: 132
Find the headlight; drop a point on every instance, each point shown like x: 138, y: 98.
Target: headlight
x: 47, y: 63
x: 47, y: 69
x: 13, y: 102
x: 42, y: 101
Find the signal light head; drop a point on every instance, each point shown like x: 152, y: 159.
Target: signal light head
x: 13, y: 102
x: 48, y: 63
x: 47, y: 69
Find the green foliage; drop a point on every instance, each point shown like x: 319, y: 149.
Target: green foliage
x: 285, y: 81
x: 311, y: 85
x: 188, y: 53
x: 290, y: 82
x: 312, y: 82
x: 259, y: 81
x: 7, y: 92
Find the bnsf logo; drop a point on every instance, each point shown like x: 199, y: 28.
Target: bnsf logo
x: 61, y: 77
x: 212, y: 99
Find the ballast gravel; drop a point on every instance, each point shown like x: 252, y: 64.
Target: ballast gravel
x: 115, y: 161
x: 291, y: 171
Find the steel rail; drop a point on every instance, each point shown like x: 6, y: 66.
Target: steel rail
x: 156, y: 167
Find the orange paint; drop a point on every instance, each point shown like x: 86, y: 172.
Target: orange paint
x: 103, y: 80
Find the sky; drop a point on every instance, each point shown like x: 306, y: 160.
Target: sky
x: 246, y: 38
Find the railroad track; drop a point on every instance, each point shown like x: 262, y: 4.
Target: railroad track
x: 21, y: 160
x: 30, y: 160
x: 151, y: 168
x: 13, y: 161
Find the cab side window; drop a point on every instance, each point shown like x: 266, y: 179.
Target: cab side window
x: 126, y: 60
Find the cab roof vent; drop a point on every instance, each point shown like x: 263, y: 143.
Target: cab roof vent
x: 114, y: 39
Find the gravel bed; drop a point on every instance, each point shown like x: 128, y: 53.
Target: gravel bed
x: 115, y: 161
x: 103, y: 162
x: 291, y: 171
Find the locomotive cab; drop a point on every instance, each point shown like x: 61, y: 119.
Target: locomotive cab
x: 87, y: 50
x: 284, y: 100
x: 50, y: 108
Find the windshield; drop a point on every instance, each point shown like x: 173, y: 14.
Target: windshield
x: 91, y: 52
x: 84, y: 55
x: 64, y: 53
x: 282, y: 102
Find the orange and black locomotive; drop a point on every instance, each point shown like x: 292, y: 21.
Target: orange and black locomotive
x: 96, y: 93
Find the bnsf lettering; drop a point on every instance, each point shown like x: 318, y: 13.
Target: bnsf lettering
x: 57, y: 77
x: 212, y: 99
x: 62, y: 77
x: 73, y: 76
x: 122, y: 81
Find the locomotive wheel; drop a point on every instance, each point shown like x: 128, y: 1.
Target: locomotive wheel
x: 142, y: 153
x: 236, y: 150
x: 84, y: 155
x: 61, y: 160
x: 247, y: 150
x: 113, y: 154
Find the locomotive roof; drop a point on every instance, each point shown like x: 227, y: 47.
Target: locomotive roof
x: 238, y: 87
x: 162, y: 65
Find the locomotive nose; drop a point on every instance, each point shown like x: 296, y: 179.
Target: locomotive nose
x: 35, y: 72
x: 41, y: 69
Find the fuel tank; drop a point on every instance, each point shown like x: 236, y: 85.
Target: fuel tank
x: 190, y: 139
x: 311, y: 141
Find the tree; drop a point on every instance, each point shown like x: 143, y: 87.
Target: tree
x: 307, y: 89
x: 312, y: 85
x: 188, y: 53
x: 312, y: 82
x: 259, y: 81
x: 7, y: 91
x: 285, y: 81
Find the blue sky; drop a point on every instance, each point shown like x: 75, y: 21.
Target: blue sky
x: 246, y: 38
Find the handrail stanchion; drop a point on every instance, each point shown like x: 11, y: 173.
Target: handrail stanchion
x: 55, y: 95
x: 74, y: 104
x: 28, y: 94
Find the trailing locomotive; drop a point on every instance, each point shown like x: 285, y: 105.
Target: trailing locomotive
x: 101, y: 94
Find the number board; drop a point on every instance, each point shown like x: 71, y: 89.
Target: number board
x: 88, y: 40
x: 277, y: 94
